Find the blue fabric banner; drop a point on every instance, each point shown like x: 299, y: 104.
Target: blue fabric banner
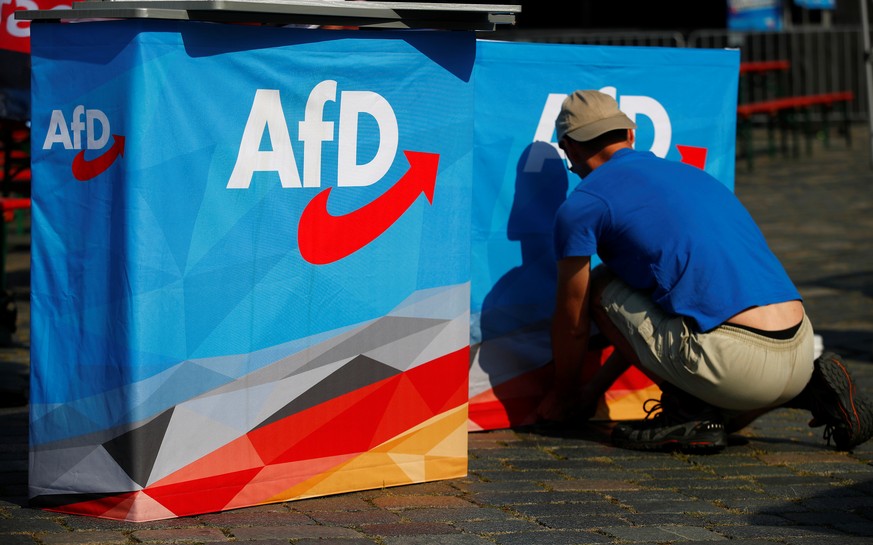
x: 233, y: 224
x: 754, y: 15
x: 816, y: 4
x: 684, y: 103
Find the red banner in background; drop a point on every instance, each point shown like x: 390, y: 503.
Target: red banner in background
x: 15, y: 34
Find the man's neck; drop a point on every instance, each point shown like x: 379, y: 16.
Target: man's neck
x: 604, y: 155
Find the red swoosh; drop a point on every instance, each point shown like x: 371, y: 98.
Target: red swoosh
x: 84, y: 170
x: 325, y: 238
x: 693, y: 155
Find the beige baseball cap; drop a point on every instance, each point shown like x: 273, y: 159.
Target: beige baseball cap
x: 588, y: 114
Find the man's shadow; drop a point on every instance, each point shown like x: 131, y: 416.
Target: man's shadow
x: 515, y: 319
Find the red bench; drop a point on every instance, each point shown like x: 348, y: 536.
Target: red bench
x: 759, y: 67
x: 14, y: 157
x: 776, y: 105
x: 791, y: 114
x: 8, y: 206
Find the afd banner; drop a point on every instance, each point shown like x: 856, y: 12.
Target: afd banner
x: 15, y: 56
x: 251, y: 275
x: 684, y: 104
x: 754, y: 15
x: 816, y: 4
x: 15, y: 34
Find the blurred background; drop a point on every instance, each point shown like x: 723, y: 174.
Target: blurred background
x: 686, y: 16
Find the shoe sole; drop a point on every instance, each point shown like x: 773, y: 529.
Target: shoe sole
x: 706, y: 443
x: 855, y: 410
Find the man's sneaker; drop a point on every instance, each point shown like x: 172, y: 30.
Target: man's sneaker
x: 836, y: 404
x: 673, y: 427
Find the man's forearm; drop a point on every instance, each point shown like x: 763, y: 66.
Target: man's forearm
x: 569, y: 345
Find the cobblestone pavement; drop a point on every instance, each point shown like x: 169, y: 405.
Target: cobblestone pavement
x: 778, y: 482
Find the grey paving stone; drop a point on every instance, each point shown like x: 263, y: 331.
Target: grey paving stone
x: 827, y: 518
x: 795, y: 479
x: 99, y: 537
x: 827, y: 540
x: 800, y: 491
x: 683, y: 481
x: 582, y: 521
x: 836, y: 470
x: 502, y: 526
x: 255, y: 533
x: 855, y: 528
x: 581, y: 456
x: 509, y: 498
x: 455, y: 515
x: 664, y: 519
x: 561, y: 509
x: 853, y: 478
x: 837, y: 503
x: 17, y: 539
x: 725, y: 494
x: 525, y: 452
x: 654, y: 461
x: 632, y: 496
x: 11, y: 499
x: 255, y: 517
x: 754, y: 519
x: 456, y: 539
x: 478, y: 464
x: 724, y: 459
x: 773, y: 532
x: 508, y: 475
x: 690, y: 506
x: 660, y: 534
x: 20, y: 524
x: 552, y: 464
x: 334, y: 541
x: 755, y: 471
x: 356, y: 519
x: 748, y: 542
x: 569, y: 537
x: 409, y: 529
x: 93, y: 523
x: 502, y: 486
x: 772, y: 506
x: 616, y: 473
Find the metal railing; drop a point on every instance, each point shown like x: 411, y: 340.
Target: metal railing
x: 576, y: 36
x: 822, y: 60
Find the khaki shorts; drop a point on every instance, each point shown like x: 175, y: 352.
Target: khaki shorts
x: 728, y: 367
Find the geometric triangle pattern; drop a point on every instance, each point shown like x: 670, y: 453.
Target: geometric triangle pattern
x: 206, y: 336
x: 513, y: 401
x: 349, y: 422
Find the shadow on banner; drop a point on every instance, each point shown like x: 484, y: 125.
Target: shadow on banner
x: 513, y: 331
x: 514, y: 348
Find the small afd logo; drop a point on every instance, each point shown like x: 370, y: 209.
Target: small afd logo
x: 93, y: 124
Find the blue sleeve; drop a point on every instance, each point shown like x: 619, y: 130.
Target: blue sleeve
x: 579, y: 224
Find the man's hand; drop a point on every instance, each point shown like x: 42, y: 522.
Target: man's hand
x: 564, y: 408
x: 550, y: 409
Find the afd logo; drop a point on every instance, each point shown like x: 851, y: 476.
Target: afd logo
x: 322, y: 237
x: 634, y: 107
x: 94, y: 126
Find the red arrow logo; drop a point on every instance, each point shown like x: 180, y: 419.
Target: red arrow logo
x: 325, y: 238
x: 84, y: 170
x: 693, y: 155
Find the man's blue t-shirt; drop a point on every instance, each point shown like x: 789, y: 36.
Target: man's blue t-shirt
x: 672, y: 230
